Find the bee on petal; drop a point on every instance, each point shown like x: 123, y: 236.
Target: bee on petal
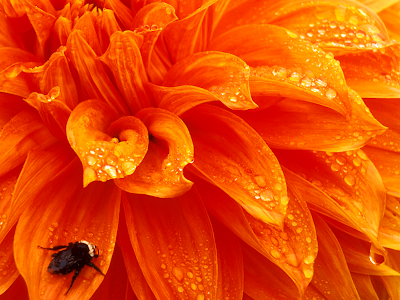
x: 74, y: 257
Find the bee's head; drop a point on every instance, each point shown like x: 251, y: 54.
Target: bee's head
x: 92, y: 248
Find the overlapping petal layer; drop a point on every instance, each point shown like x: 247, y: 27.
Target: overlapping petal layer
x: 293, y: 248
x: 233, y: 156
x: 62, y: 213
x: 174, y: 245
x: 108, y: 147
x: 170, y: 150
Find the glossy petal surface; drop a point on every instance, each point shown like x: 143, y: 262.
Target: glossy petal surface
x: 246, y: 169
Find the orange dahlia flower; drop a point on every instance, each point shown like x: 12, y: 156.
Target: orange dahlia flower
x: 209, y: 149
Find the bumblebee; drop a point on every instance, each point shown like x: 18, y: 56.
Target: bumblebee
x: 74, y: 257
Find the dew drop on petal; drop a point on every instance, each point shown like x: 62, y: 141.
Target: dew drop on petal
x: 350, y: 179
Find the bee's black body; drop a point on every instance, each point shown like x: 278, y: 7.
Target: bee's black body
x: 74, y: 257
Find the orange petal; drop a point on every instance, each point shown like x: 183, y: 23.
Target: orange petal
x: 349, y: 178
x: 335, y: 26
x: 8, y: 37
x: 108, y: 148
x: 228, y: 80
x: 10, y: 105
x: 264, y: 280
x: 359, y: 257
x: 292, y: 124
x: 106, y: 25
x: 124, y: 59
x: 292, y: 249
x: 180, y: 99
x: 283, y: 64
x: 86, y: 23
x: 8, y: 270
x: 174, y: 244
x: 93, y: 76
x: 56, y: 72
x: 230, y: 263
x: 52, y: 220
x: 17, y: 290
x: 161, y: 172
x: 389, y: 231
x: 149, y: 22
x: 190, y: 34
x: 388, y: 167
x: 390, y: 17
x: 330, y: 260
x: 42, y: 22
x: 114, y: 284
x: 39, y: 168
x: 372, y: 73
x: 54, y: 112
x: 386, y: 112
x: 235, y: 158
x: 21, y: 134
x: 135, y: 274
x: 392, y: 283
x: 60, y: 32
x: 123, y: 13
x: 364, y: 286
x: 12, y: 80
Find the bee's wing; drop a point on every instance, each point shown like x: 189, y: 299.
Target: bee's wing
x: 63, y: 262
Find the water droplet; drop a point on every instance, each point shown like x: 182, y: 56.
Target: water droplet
x: 308, y: 239
x: 111, y: 171
x: 200, y: 297
x: 193, y: 286
x: 178, y: 273
x: 189, y: 274
x: 335, y: 167
x: 275, y: 253
x: 350, y: 179
x: 284, y: 200
x: 278, y: 186
x: 260, y: 180
x: 330, y: 94
x: 180, y: 289
x: 163, y: 266
x: 308, y: 273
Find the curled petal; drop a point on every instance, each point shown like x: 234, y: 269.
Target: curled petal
x: 190, y: 34
x: 233, y: 156
x: 12, y: 79
x: 8, y: 37
x: 54, y: 112
x: 108, y: 148
x: 94, y: 78
x: 339, y: 27
x: 330, y: 260
x: 10, y: 105
x: 60, y: 32
x: 179, y: 99
x: 52, y: 220
x: 174, y: 244
x: 373, y: 74
x: 161, y: 172
x: 390, y: 17
x: 283, y: 64
x: 56, y: 72
x: 293, y: 249
x: 349, y: 178
x: 124, y: 59
x: 21, y: 134
x: 228, y: 80
x: 149, y: 22
x: 292, y: 124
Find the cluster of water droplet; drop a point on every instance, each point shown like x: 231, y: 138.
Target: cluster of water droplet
x: 299, y: 77
x: 191, y: 275
x: 109, y: 160
x: 147, y: 28
x: 342, y: 27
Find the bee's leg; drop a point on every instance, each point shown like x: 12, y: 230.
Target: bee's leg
x: 90, y: 264
x: 73, y: 279
x: 54, y: 248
